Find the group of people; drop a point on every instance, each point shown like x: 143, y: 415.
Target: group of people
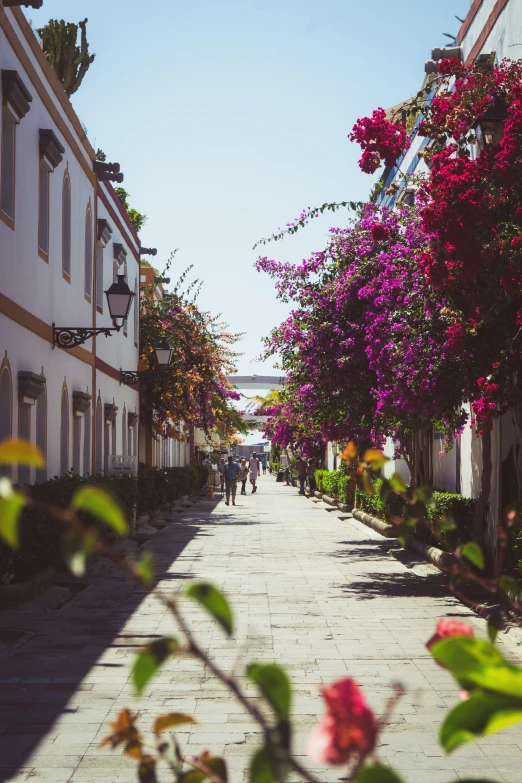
x: 233, y: 471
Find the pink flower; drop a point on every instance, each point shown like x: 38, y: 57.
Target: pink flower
x: 349, y: 726
x: 447, y: 628
x: 379, y: 231
x: 515, y: 242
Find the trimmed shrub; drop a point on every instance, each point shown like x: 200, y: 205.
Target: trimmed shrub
x: 347, y: 488
x: 331, y: 483
x: 320, y: 475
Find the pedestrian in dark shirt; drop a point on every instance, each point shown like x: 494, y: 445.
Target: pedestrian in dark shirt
x: 230, y: 474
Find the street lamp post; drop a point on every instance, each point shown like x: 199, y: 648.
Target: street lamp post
x: 163, y: 353
x: 119, y: 300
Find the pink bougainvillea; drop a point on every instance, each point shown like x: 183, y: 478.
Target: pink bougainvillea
x: 381, y: 140
x: 347, y: 729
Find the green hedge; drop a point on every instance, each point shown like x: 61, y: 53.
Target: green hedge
x: 347, y: 491
x: 338, y: 485
x: 320, y: 475
x: 40, y: 535
x: 446, y: 504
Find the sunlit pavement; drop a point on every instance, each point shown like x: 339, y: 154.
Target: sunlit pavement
x: 325, y: 597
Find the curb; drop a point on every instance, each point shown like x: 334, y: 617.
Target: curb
x: 330, y: 501
x: 376, y: 524
x: 432, y: 554
x: 23, y: 591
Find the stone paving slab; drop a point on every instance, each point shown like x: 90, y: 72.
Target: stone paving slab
x: 323, y: 596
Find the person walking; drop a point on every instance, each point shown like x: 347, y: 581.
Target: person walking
x: 301, y: 469
x: 222, y: 475
x: 264, y: 466
x: 230, y: 473
x: 243, y: 475
x: 310, y: 472
x: 253, y: 466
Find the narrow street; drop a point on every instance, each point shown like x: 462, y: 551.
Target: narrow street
x: 322, y: 596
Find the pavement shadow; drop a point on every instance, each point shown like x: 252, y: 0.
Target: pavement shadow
x: 398, y: 585
x: 356, y: 552
x: 40, y: 674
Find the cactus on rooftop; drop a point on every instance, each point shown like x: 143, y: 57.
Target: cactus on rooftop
x: 69, y: 61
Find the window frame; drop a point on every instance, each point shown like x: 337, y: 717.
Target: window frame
x: 66, y: 218
x: 43, y: 162
x: 9, y: 220
x: 88, y: 253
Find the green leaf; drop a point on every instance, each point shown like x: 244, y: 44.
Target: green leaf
x: 473, y: 553
x: 144, y: 568
x: 376, y: 773
x: 214, y: 602
x: 76, y: 548
x: 20, y: 452
x: 261, y: 768
x: 510, y: 585
x: 462, y: 654
x: 11, y: 505
x: 492, y: 631
x: 480, y: 715
x: 397, y: 484
x: 170, y: 721
x: 423, y: 495
x: 505, y: 680
x: 149, y: 660
x: 274, y: 684
x: 375, y: 458
x: 215, y: 763
x: 102, y: 506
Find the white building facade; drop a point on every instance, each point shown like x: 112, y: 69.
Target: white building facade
x: 63, y: 237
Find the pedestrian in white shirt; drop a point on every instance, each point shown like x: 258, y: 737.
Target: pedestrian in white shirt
x: 253, y: 465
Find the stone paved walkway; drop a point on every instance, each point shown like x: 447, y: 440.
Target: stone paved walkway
x: 325, y: 597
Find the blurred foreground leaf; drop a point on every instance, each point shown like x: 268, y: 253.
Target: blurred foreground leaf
x: 214, y: 763
x: 20, y: 452
x: 102, y: 506
x: 473, y: 553
x: 262, y: 769
x: 213, y: 600
x: 150, y: 659
x: 11, y: 505
x: 274, y: 684
x: 170, y: 720
x: 376, y: 773
x: 481, y: 714
x: 144, y: 568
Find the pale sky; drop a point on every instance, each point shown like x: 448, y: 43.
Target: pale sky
x: 229, y: 117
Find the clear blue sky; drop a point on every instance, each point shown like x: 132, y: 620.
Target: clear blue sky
x: 229, y: 117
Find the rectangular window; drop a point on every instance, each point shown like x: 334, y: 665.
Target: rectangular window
x: 136, y: 305
x: 87, y: 442
x: 88, y: 252
x: 7, y: 181
x: 77, y: 435
x: 43, y: 207
x: 24, y: 433
x: 99, y: 277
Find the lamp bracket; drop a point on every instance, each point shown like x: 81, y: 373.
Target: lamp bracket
x: 130, y: 377
x: 71, y: 337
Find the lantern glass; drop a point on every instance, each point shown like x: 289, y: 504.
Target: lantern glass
x: 119, y: 299
x: 489, y: 129
x: 163, y: 353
